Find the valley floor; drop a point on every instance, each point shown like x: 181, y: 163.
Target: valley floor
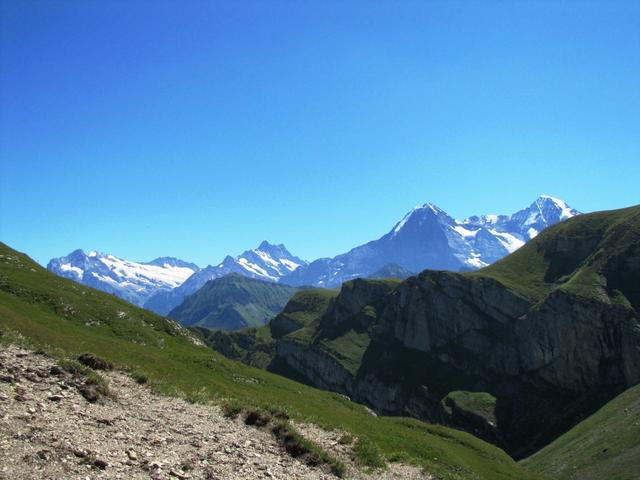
x: 49, y: 431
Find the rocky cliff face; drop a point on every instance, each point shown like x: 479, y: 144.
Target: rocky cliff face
x: 441, y: 332
x: 550, y: 357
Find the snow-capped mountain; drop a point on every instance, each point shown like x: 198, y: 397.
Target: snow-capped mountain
x: 429, y: 238
x: 132, y: 281
x: 267, y: 262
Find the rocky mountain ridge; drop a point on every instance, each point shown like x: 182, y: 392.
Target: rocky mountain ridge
x: 551, y: 332
x: 267, y: 262
x: 427, y: 237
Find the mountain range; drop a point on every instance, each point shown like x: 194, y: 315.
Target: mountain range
x: 267, y: 262
x: 135, y: 282
x: 538, y: 352
x: 427, y: 237
x: 517, y: 352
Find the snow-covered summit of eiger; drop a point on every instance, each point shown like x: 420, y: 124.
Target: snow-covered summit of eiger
x: 427, y: 237
x: 132, y: 281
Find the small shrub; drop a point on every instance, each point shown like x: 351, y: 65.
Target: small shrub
x: 140, y: 378
x: 74, y: 367
x: 231, y: 409
x: 400, y: 457
x: 278, y: 414
x: 199, y: 396
x: 257, y: 418
x: 91, y: 385
x: 311, y: 453
x: 95, y: 362
x: 346, y: 439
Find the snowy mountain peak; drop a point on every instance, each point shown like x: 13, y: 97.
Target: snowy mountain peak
x: 543, y: 212
x: 269, y: 261
x: 173, y: 262
x: 547, y: 201
x: 266, y: 262
x: 427, y: 237
x: 418, y: 215
x: 266, y: 246
x: 277, y: 252
x: 132, y: 281
x: 434, y: 208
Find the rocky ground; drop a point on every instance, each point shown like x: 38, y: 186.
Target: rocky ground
x: 49, y: 430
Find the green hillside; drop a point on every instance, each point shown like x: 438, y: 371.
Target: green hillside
x: 575, y: 256
x: 546, y: 333
x: 257, y: 346
x: 605, y: 445
x: 232, y: 302
x: 67, y: 319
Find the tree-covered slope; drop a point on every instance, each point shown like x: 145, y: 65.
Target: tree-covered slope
x: 232, y: 302
x: 66, y: 319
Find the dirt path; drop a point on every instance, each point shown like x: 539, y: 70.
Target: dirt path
x: 49, y: 431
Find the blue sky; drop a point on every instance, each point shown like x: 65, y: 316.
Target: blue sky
x: 199, y: 128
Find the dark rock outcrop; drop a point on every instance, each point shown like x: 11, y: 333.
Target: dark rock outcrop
x: 550, y: 357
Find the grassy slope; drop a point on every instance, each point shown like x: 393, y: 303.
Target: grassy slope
x: 348, y: 341
x: 257, y: 346
x: 605, y: 445
x: 254, y: 346
x: 541, y: 265
x: 66, y: 319
x: 233, y: 302
x: 304, y: 310
x: 570, y: 256
x: 482, y: 404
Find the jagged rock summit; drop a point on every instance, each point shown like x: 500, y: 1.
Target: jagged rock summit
x: 427, y: 237
x: 266, y: 262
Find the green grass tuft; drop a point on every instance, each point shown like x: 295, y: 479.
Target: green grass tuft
x: 310, y: 452
x: 89, y: 377
x: 368, y: 454
x: 482, y: 404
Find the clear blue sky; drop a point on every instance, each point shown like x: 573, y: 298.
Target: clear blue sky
x: 199, y: 128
